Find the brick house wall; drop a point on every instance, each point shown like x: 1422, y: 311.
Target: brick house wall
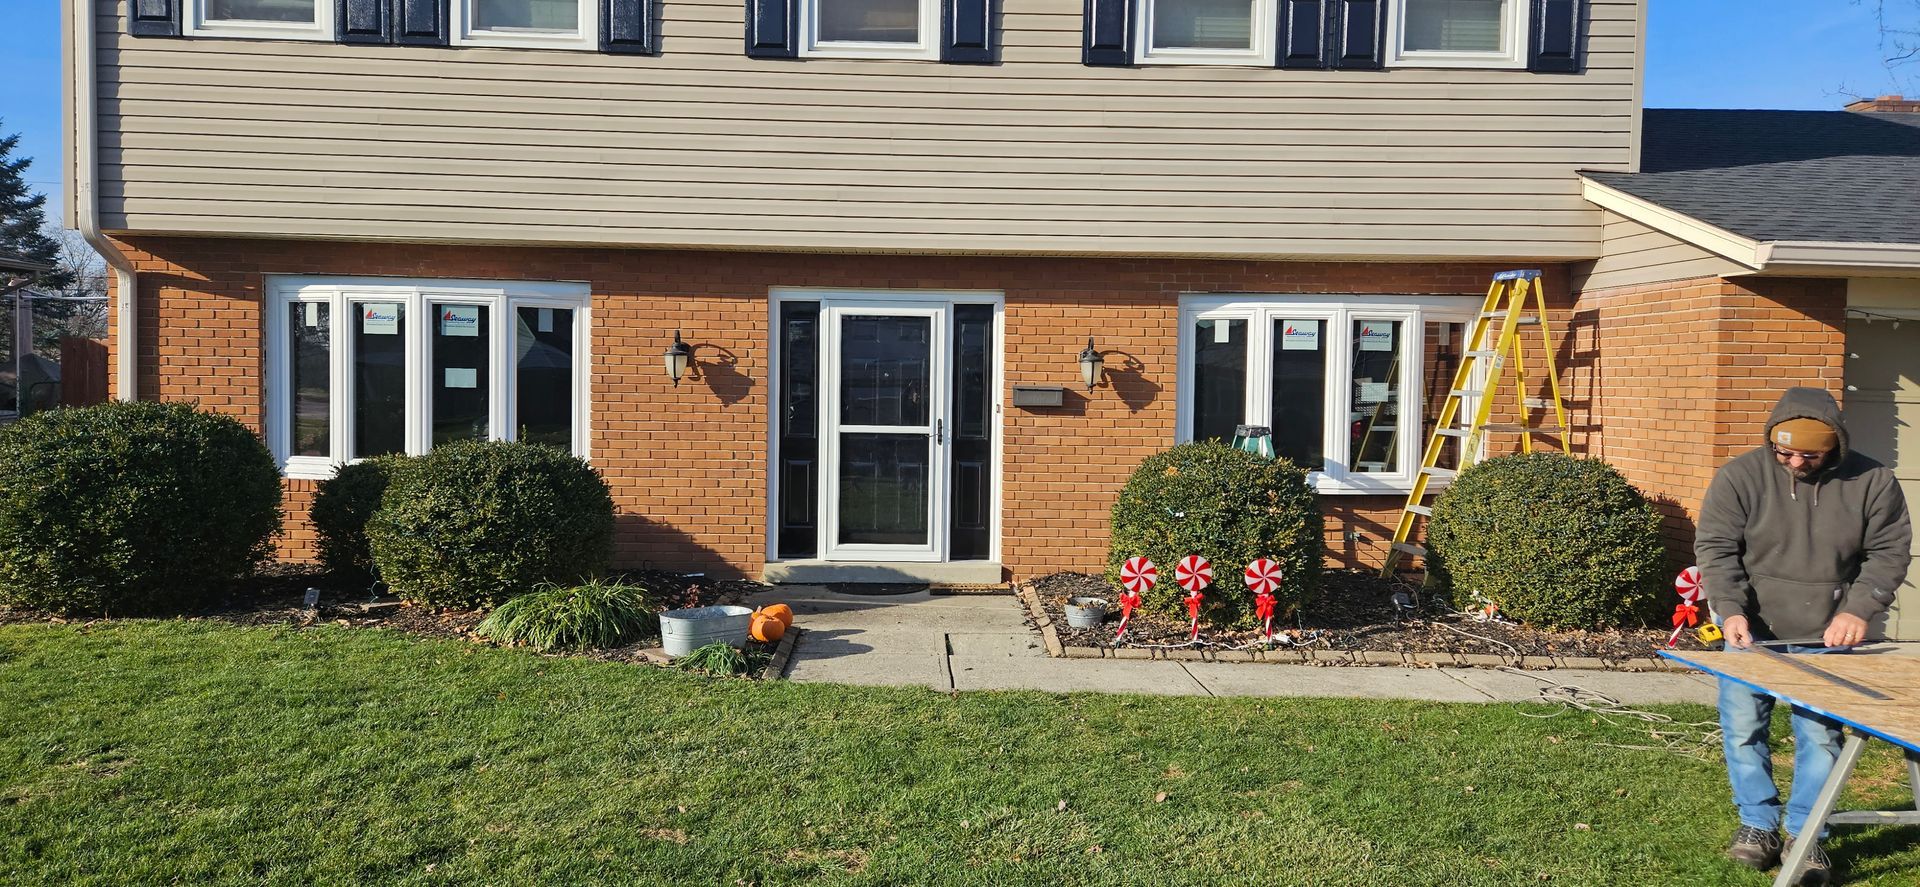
x: 688, y: 465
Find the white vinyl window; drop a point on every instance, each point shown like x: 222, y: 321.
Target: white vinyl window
x: 895, y: 29
x: 1204, y: 32
x: 271, y: 19
x: 527, y: 24
x: 1349, y: 386
x: 1457, y: 33
x: 364, y: 367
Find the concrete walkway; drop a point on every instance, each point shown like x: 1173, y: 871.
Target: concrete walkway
x: 982, y: 642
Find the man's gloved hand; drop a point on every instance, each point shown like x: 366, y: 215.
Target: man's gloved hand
x: 1845, y: 630
x: 1738, y: 633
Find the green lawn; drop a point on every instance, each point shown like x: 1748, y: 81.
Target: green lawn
x: 177, y: 752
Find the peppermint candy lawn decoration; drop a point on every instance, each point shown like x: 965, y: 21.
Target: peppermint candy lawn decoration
x: 1263, y: 577
x: 1193, y: 609
x: 1138, y: 574
x: 1687, y: 613
x: 1194, y: 573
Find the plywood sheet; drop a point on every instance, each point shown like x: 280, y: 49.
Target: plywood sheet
x: 1895, y: 719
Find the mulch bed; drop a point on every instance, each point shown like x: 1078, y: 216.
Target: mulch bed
x: 276, y: 596
x: 1355, y: 611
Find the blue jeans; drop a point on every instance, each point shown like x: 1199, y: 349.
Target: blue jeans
x: 1746, y: 717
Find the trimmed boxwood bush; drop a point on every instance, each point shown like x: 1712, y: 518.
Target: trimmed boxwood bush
x: 1229, y: 506
x: 341, y: 506
x: 131, y: 507
x: 478, y: 522
x: 1551, y: 540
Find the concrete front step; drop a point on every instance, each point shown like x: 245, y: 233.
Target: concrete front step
x: 823, y: 572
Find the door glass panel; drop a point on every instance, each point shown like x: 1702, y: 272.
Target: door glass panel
x: 799, y: 424
x: 310, y: 335
x: 1300, y: 390
x: 1220, y: 378
x: 869, y: 21
x: 1375, y: 418
x: 886, y: 371
x: 971, y: 445
x: 543, y: 375
x: 459, y: 373
x: 884, y: 489
x: 1442, y: 355
x: 379, y: 378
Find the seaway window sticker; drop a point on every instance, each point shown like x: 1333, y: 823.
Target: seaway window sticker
x: 380, y: 318
x: 1300, y: 335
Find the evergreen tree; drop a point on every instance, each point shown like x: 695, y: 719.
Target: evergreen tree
x: 23, y: 217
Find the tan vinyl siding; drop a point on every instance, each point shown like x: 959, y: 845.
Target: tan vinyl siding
x: 703, y: 147
x: 1633, y: 254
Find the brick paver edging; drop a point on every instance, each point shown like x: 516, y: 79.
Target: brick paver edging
x: 1295, y: 656
x: 776, y: 668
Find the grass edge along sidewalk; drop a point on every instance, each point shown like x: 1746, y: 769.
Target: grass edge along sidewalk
x: 168, y: 751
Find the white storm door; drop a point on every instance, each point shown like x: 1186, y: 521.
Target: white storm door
x: 884, y: 430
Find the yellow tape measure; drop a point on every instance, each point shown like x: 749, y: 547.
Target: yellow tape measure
x: 1708, y: 633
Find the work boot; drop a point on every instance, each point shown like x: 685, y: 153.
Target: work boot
x: 1757, y: 849
x: 1816, y: 871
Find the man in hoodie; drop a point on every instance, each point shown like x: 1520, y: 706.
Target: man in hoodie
x: 1801, y: 540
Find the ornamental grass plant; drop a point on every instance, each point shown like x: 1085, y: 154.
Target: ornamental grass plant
x: 591, y: 615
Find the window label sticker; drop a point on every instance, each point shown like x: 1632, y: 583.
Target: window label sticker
x: 1376, y: 335
x: 546, y: 320
x: 1222, y: 332
x: 462, y: 377
x: 313, y: 313
x: 460, y: 320
x: 380, y: 318
x: 1299, y: 335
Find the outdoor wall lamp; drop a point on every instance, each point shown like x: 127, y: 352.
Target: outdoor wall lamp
x: 677, y: 356
x: 1090, y: 365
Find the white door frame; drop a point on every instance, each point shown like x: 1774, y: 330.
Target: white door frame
x: 883, y: 301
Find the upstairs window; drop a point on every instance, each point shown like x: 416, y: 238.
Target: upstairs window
x: 1200, y: 32
x: 290, y: 19
x: 1458, y: 33
x: 530, y: 24
x: 898, y: 29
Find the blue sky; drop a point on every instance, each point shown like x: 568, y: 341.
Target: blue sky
x: 1804, y: 54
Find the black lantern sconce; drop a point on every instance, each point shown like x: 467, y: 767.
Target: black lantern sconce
x: 678, y: 356
x: 1091, y: 364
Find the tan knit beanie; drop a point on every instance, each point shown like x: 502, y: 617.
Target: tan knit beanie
x: 1805, y: 435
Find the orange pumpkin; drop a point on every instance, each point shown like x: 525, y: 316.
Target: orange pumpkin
x: 766, y: 629
x: 781, y: 612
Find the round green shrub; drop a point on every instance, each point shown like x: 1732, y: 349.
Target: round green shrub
x: 478, y: 522
x: 1551, y: 540
x: 341, y: 506
x: 131, y: 507
x: 1229, y: 506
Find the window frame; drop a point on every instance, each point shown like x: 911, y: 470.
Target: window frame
x: 927, y: 48
x: 586, y: 37
x: 1260, y: 311
x: 1264, y: 23
x: 195, y: 24
x: 1513, y: 56
x: 502, y: 299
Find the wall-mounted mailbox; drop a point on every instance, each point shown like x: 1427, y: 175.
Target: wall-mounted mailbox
x: 1039, y: 396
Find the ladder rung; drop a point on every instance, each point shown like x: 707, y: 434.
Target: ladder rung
x: 1421, y: 510
x: 1537, y: 403
x: 1436, y: 471
x: 1464, y: 392
x: 1410, y: 548
x: 1489, y: 354
x: 1452, y: 432
x: 1522, y: 318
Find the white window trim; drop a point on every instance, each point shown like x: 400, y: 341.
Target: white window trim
x: 1514, y: 55
x: 321, y: 28
x: 1339, y: 311
x: 927, y: 48
x: 501, y: 297
x: 1261, y: 54
x: 585, y: 37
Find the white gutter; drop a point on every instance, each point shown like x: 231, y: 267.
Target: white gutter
x: 82, y: 172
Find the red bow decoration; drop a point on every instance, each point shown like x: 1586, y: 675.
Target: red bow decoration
x: 1686, y: 616
x: 1129, y: 601
x: 1263, y: 605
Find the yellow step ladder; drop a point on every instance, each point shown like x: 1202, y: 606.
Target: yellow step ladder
x: 1514, y: 300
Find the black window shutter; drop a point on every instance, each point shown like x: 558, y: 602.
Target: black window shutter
x: 1555, y: 43
x: 362, y: 21
x: 773, y: 29
x: 1358, y: 34
x: 154, y: 18
x: 1303, y: 29
x: 1107, y: 33
x: 626, y: 26
x: 966, y: 31
x: 420, y: 22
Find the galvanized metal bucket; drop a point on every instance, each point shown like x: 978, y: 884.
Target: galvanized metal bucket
x: 684, y: 631
x: 1086, y: 612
